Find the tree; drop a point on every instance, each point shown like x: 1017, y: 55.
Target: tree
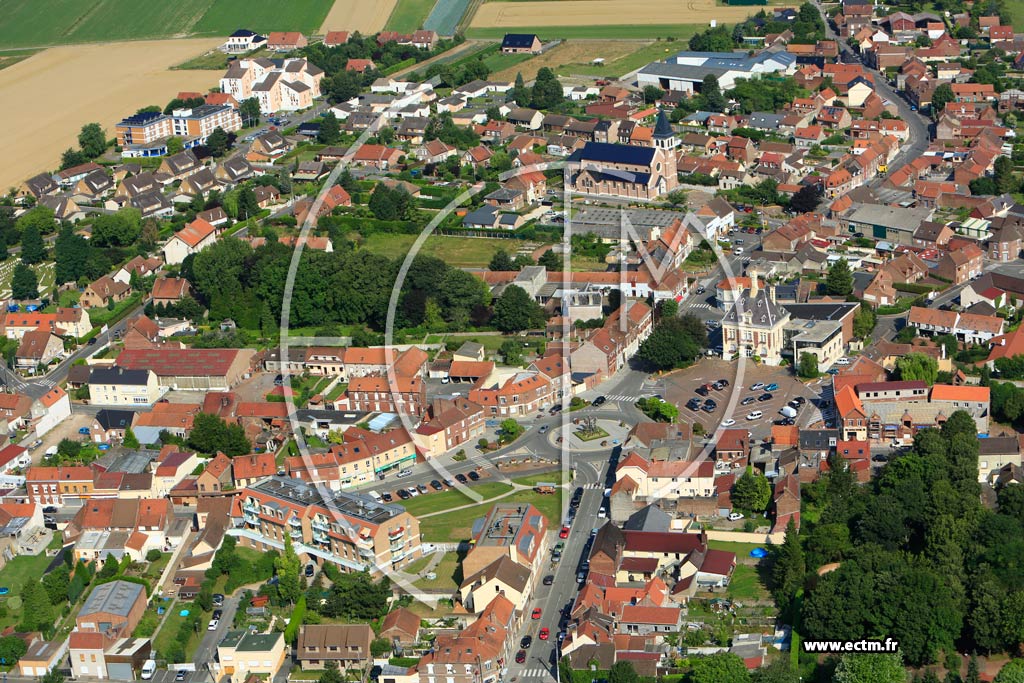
x: 92, y: 140
x: 917, y: 366
x: 501, y: 261
x: 751, y: 491
x: 515, y: 311
x: 56, y: 584
x: 287, y: 567
x: 130, y: 440
x: 652, y: 94
x: 723, y: 667
x: 864, y: 322
x: 551, y: 260
x: 789, y: 568
x: 778, y: 671
x: 711, y: 94
x: 73, y: 256
x: 174, y: 145
x: 36, y: 613
x: 808, y: 367
x: 657, y: 409
x: 941, y: 96
x: 676, y: 197
x: 673, y: 341
x: 72, y: 157
x: 1002, y: 175
x: 330, y: 130
x: 52, y: 676
x: 109, y: 570
x: 12, y: 648
x: 249, y: 110
x: 33, y: 250
x: 668, y: 308
x: 520, y: 93
x: 24, y: 284
x: 217, y: 142
x: 511, y: 352
x: 839, y: 280
x: 510, y: 430
x: 40, y: 218
x: 211, y: 434
x: 547, y: 90
x: 806, y: 199
x: 870, y: 668
x: 623, y: 672
x: 120, y: 229
x: 331, y: 674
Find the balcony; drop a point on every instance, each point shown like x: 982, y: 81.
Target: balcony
x: 318, y: 523
x: 295, y: 533
x: 366, y: 552
x: 251, y: 517
x: 364, y: 542
x: 397, y: 543
x: 320, y: 537
x: 295, y: 521
x: 250, y: 506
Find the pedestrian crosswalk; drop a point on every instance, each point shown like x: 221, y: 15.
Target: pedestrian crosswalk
x: 540, y: 672
x: 622, y: 397
x: 700, y: 305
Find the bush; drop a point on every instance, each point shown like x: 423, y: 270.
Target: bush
x: 153, y: 555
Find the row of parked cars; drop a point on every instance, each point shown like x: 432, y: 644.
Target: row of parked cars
x: 419, y: 489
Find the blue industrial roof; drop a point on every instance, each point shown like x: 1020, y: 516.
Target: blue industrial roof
x: 614, y: 154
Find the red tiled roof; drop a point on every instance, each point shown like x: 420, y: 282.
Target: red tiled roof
x: 179, y: 362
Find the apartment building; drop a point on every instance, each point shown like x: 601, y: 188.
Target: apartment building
x: 143, y: 129
x: 199, y: 122
x: 363, y: 456
x: 350, y: 531
x: 285, y: 85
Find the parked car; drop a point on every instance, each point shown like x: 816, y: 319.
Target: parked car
x: 422, y: 488
x: 521, y: 657
x: 564, y: 533
x: 404, y: 473
x: 436, y: 485
x: 747, y: 401
x: 765, y: 397
x: 536, y: 613
x: 549, y: 579
x: 757, y: 386
x: 403, y: 494
x: 599, y: 401
x: 218, y: 599
x: 755, y: 415
x: 387, y: 497
x: 544, y: 634
x: 180, y: 676
x: 735, y: 516
x: 474, y: 476
x: 772, y: 387
x: 526, y: 642
x: 461, y: 478
x: 728, y: 423
x: 212, y: 626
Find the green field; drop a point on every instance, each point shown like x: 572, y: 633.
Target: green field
x: 461, y: 252
x: 408, y: 15
x: 458, y: 525
x: 30, y: 23
x: 623, y: 32
x: 1016, y: 10
x: 449, y: 575
x: 623, y: 65
x: 445, y: 500
x: 12, y: 57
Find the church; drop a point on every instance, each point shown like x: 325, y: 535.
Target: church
x: 627, y: 171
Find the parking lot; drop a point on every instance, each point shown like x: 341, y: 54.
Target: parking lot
x: 680, y: 387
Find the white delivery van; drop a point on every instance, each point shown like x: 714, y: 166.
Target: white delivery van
x: 787, y: 412
x: 148, y: 669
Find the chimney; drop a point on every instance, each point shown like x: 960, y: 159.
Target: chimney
x: 753, y: 283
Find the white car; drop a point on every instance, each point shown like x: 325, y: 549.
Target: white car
x: 843, y: 361
x: 757, y: 386
x: 404, y: 473
x: 214, y: 623
x: 738, y: 251
x: 755, y: 415
x: 413, y: 491
x: 735, y: 516
x: 728, y: 423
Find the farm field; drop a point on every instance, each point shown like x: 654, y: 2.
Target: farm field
x: 575, y: 57
x: 30, y: 23
x: 445, y: 16
x: 365, y: 16
x: 542, y: 13
x: 409, y: 15
x: 135, y: 74
x: 595, y: 32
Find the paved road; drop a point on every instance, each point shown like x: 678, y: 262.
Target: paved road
x: 542, y: 656
x: 919, y: 125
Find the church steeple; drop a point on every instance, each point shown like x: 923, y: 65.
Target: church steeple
x: 664, y: 137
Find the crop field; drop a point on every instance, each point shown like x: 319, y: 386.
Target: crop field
x: 408, y: 15
x: 365, y: 16
x: 578, y: 13
x: 461, y: 252
x: 595, y: 32
x: 32, y: 23
x: 135, y: 74
x: 575, y: 57
x: 445, y: 16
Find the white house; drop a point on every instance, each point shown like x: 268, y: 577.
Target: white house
x: 191, y: 239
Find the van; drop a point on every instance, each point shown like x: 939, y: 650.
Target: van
x: 148, y: 669
x: 787, y: 412
x: 756, y: 415
x: 375, y: 496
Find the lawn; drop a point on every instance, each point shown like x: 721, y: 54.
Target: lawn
x: 746, y: 585
x: 1016, y: 10
x: 623, y: 32
x: 449, y: 575
x: 445, y: 500
x: 169, y: 631
x: 498, y: 61
x: 741, y: 549
x: 61, y: 22
x: 458, y: 525
x: 409, y: 15
x: 18, y: 571
x: 534, y: 479
x: 461, y: 252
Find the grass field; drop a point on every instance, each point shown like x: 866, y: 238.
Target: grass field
x: 437, y: 501
x: 409, y: 15
x: 461, y: 252
x: 597, y: 32
x: 746, y: 585
x: 29, y: 23
x: 1016, y: 10
x: 575, y: 58
x: 457, y: 526
x: 16, y: 573
x: 573, y: 13
x: 449, y: 575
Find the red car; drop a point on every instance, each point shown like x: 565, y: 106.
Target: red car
x: 520, y: 656
x: 536, y: 612
x: 564, y: 533
x: 544, y: 633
